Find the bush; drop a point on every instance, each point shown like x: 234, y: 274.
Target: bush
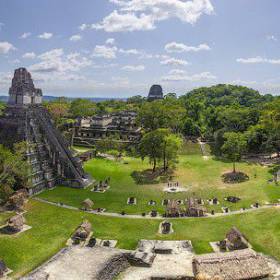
x: 235, y: 177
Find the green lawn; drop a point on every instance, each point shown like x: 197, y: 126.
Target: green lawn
x: 201, y: 177
x: 52, y: 226
x: 3, y: 217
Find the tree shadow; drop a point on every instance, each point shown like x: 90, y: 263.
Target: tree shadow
x: 148, y: 177
x: 235, y: 177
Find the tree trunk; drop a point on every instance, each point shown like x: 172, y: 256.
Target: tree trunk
x: 164, y: 158
x: 234, y: 169
x: 155, y: 164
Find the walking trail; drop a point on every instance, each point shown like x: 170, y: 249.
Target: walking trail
x: 135, y: 216
x: 204, y: 152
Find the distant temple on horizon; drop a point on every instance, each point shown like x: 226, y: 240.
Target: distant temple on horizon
x: 48, y: 154
x: 155, y: 93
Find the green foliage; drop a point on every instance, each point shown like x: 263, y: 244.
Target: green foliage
x: 151, y: 145
x: 13, y: 169
x: 137, y: 99
x: 206, y: 112
x: 82, y: 108
x: 234, y: 146
x: 225, y: 95
x: 108, y: 144
x: 59, y: 110
x: 166, y: 113
x: 160, y: 145
x: 2, y: 107
x: 171, y: 146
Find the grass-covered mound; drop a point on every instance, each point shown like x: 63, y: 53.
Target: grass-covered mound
x: 199, y: 176
x: 52, y: 226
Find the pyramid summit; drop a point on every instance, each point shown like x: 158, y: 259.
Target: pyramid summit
x: 23, y: 91
x: 48, y: 153
x: 155, y: 93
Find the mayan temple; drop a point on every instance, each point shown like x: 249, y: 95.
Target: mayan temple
x: 25, y: 119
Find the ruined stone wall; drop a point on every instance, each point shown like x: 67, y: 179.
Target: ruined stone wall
x: 114, y: 267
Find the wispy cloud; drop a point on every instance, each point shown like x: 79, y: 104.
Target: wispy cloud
x: 174, y: 47
x: 45, y: 35
x: 25, y: 35
x: 6, y: 47
x: 104, y: 51
x: 176, y: 75
x: 272, y: 38
x: 110, y: 41
x: 258, y: 59
x: 133, y: 68
x: 75, y: 38
x: 174, y: 62
x: 30, y: 55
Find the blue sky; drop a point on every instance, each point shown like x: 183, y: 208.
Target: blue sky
x: 119, y: 48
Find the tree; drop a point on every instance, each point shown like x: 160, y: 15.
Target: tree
x: 13, y: 169
x: 270, y: 121
x: 151, y: 146
x: 2, y: 107
x: 171, y: 146
x: 108, y: 144
x: 167, y: 113
x: 137, y: 99
x: 153, y: 115
x: 58, y: 109
x: 160, y: 145
x: 171, y: 95
x: 234, y: 146
x: 82, y: 108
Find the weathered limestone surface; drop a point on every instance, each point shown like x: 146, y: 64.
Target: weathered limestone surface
x: 82, y: 263
x: 23, y: 91
x: 48, y: 153
x: 155, y: 93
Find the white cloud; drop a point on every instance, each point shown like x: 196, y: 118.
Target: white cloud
x: 15, y: 61
x: 243, y: 82
x: 116, y: 22
x: 104, y: 66
x: 45, y: 35
x: 133, y: 15
x: 258, y: 59
x: 271, y: 38
x: 133, y: 68
x: 6, y: 47
x: 5, y: 80
x: 130, y: 51
x: 75, y: 38
x: 110, y: 41
x: 55, y: 65
x: 25, y: 35
x: 30, y: 55
x: 105, y: 51
x: 174, y: 62
x: 84, y: 26
x: 177, y: 72
x: 179, y: 76
x: 174, y: 47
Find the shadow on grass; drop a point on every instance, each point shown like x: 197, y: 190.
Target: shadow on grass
x: 274, y: 169
x: 235, y: 177
x: 147, y: 177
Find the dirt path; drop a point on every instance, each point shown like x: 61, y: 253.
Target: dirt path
x: 135, y: 216
x: 205, y: 154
